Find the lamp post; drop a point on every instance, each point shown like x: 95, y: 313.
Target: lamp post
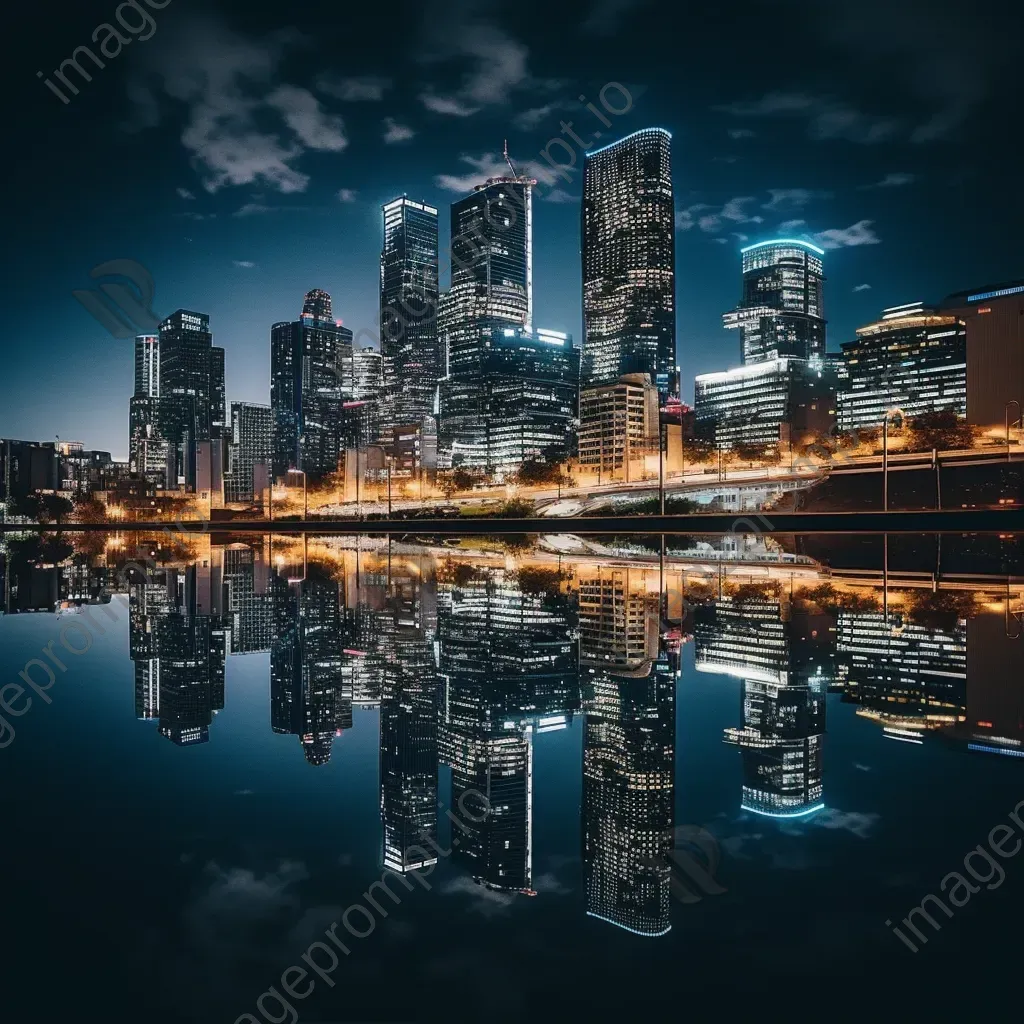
x: 1012, y: 401
x: 885, y: 455
x: 661, y: 469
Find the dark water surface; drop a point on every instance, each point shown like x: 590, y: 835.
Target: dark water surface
x: 606, y: 787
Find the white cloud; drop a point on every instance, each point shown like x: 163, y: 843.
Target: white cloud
x: 488, y: 902
x: 395, y: 132
x: 252, y: 209
x: 302, y: 113
x: 245, y: 265
x: 446, y: 105
x: 792, y: 225
x: 860, y: 233
x: 783, y: 200
x: 347, y: 195
x: 861, y: 288
x: 894, y: 180
x: 826, y: 118
x: 742, y: 133
x: 711, y: 220
x: 185, y: 194
x: 241, y: 127
x: 534, y: 116
x: 558, y: 195
x: 361, y: 88
x: 858, y: 823
x: 497, y: 67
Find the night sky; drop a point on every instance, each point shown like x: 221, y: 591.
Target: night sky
x: 241, y: 154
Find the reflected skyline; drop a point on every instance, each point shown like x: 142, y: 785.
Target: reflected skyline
x: 472, y: 656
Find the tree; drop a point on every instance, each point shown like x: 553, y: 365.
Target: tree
x: 458, y: 480
x: 942, y: 430
x: 533, y: 472
x: 90, y: 510
x: 749, y: 452
x: 44, y: 508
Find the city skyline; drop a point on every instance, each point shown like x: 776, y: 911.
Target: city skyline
x: 855, y: 162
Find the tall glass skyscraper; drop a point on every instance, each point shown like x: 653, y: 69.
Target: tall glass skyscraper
x: 307, y: 393
x: 191, y: 381
x: 408, y: 311
x: 491, y: 291
x: 628, y: 232
x: 781, y: 311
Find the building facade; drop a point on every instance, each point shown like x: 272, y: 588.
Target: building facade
x: 191, y: 384
x: 781, y: 311
x: 408, y: 310
x: 249, y: 443
x: 521, y: 403
x: 628, y: 256
x: 618, y: 422
x: 491, y: 289
x: 994, y: 318
x: 776, y: 402
x: 912, y: 359
x: 307, y: 389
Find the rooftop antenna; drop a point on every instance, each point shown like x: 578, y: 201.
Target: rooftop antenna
x: 515, y: 173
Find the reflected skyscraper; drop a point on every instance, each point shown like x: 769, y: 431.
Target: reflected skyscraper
x: 306, y: 660
x: 784, y: 657
x: 508, y: 669
x: 408, y: 722
x: 908, y: 676
x: 178, y: 649
x: 628, y: 752
x: 628, y: 250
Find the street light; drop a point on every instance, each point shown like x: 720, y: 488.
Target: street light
x: 885, y: 454
x: 1013, y: 401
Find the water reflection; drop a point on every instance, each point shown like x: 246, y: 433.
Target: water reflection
x: 473, y: 654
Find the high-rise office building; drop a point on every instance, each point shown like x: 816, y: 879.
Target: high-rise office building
x: 781, y: 312
x: 307, y: 392
x: 192, y: 382
x: 249, y: 442
x: 619, y: 423
x: 520, y: 405
x: 151, y: 418
x: 912, y: 359
x: 628, y: 232
x: 408, y: 310
x: 147, y: 366
x: 368, y: 375
x: 775, y: 402
x: 491, y: 290
x: 994, y: 318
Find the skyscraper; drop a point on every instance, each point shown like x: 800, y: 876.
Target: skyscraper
x: 249, y: 442
x: 781, y: 311
x: 628, y: 233
x: 150, y: 418
x: 408, y: 310
x: 307, y: 392
x: 192, y: 381
x: 913, y: 359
